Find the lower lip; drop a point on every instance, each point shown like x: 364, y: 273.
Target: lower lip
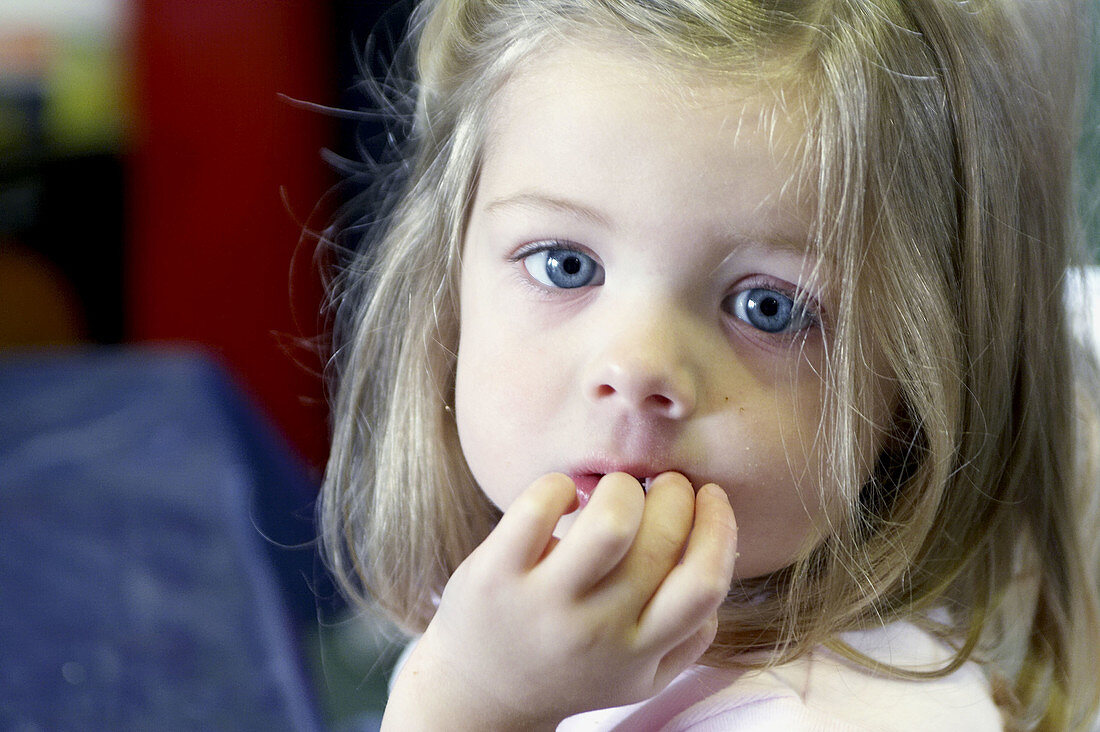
x: 585, y: 485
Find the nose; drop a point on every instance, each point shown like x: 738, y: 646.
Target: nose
x: 645, y: 370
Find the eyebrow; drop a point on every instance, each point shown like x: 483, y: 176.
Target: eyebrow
x: 534, y: 199
x: 781, y: 242
x: 554, y: 203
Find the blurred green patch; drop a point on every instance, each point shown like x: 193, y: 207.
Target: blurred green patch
x: 350, y: 661
x: 69, y: 97
x: 86, y: 96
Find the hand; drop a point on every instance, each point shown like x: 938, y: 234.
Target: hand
x: 531, y: 629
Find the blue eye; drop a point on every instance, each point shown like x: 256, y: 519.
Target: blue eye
x: 563, y: 268
x: 768, y: 310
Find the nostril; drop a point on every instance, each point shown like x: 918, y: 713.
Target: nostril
x: 653, y: 390
x: 659, y: 401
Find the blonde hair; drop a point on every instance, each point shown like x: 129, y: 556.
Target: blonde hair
x: 939, y: 140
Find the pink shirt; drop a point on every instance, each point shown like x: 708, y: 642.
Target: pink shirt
x: 817, y: 692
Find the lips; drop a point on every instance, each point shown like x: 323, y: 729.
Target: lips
x: 585, y: 479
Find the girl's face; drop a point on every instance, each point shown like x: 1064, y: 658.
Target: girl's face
x: 627, y: 297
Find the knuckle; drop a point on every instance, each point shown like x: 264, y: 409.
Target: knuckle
x: 529, y: 504
x: 668, y: 542
x: 478, y: 573
x: 660, y: 548
x: 573, y: 640
x: 712, y: 589
x: 704, y: 635
x: 473, y: 575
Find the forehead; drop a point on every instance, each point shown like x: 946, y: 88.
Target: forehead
x: 609, y: 126
x: 628, y: 79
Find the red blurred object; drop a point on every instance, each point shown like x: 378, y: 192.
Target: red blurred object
x: 223, y: 173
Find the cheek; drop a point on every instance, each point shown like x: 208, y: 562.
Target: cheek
x: 481, y: 397
x: 496, y: 381
x: 782, y: 505
x: 809, y: 446
x: 823, y: 481
x: 504, y: 394
x: 511, y: 368
x: 483, y: 381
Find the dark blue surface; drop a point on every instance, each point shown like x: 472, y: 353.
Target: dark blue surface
x: 136, y: 590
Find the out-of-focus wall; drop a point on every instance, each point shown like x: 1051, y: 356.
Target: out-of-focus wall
x: 155, y: 179
x: 222, y: 175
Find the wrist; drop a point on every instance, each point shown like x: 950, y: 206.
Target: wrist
x: 435, y: 692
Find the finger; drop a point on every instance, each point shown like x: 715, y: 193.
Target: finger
x: 600, y: 537
x: 666, y: 523
x: 687, y: 653
x: 522, y: 536
x: 699, y: 584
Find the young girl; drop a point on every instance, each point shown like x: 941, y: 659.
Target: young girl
x: 712, y: 371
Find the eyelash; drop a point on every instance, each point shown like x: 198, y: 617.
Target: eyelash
x: 548, y: 245
x: 543, y: 245
x: 807, y: 304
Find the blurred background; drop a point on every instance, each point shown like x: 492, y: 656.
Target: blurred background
x: 162, y: 420
x: 161, y: 172
x: 156, y: 178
